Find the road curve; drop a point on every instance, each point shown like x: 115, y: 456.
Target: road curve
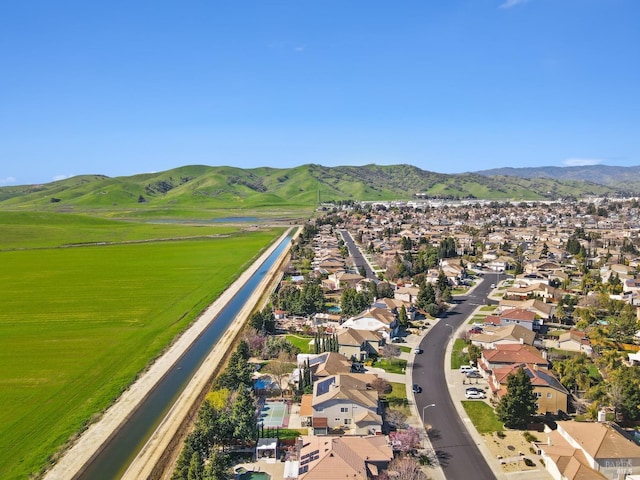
x: 457, y: 452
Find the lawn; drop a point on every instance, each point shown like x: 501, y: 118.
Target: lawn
x: 477, y: 319
x: 482, y: 416
x: 488, y: 308
x: 397, y: 399
x: 301, y: 341
x: 458, y: 358
x: 78, y: 324
x: 391, y: 365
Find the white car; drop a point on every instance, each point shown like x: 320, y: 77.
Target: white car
x: 474, y: 395
x: 467, y: 369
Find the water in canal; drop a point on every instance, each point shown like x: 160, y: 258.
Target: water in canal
x: 114, y: 459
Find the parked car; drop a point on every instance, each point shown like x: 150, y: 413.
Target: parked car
x: 417, y: 388
x: 475, y: 389
x: 417, y: 350
x: 398, y: 340
x: 467, y: 368
x: 473, y: 374
x: 474, y: 395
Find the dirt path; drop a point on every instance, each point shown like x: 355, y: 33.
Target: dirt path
x: 144, y: 466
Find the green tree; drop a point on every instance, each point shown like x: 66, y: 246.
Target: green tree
x: 518, y: 405
x: 426, y: 295
x: 403, y: 318
x: 218, y: 467
x: 263, y: 321
x: 196, y: 468
x: 352, y: 302
x: 475, y: 352
x: 624, y: 392
x: 243, y: 416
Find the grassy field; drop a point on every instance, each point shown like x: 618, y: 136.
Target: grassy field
x: 482, y: 416
x: 78, y: 324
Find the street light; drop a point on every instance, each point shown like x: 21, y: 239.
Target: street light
x: 424, y: 408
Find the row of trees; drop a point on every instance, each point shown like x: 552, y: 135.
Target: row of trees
x: 226, y: 417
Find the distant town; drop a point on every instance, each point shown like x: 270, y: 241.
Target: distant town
x: 549, y: 354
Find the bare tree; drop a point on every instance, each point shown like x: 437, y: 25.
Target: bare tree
x: 403, y: 468
x: 280, y: 368
x: 390, y: 351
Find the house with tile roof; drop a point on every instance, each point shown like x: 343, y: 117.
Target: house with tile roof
x: 589, y: 450
x: 346, y: 403
x: 511, y: 354
x: 518, y: 316
x: 333, y: 458
x: 552, y: 396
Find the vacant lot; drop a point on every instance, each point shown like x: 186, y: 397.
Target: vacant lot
x: 78, y: 324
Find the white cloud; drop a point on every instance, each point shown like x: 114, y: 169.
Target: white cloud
x: 8, y: 180
x: 299, y: 48
x: 512, y: 3
x: 581, y: 162
x: 61, y: 177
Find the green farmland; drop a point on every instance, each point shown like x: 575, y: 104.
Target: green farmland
x: 78, y: 324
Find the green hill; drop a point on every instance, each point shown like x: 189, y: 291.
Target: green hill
x: 197, y: 187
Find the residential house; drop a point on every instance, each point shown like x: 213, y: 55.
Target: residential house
x: 506, y: 355
x: 346, y: 403
x: 574, y: 341
x: 337, y: 458
x: 407, y: 294
x: 341, y: 280
x: 552, y: 396
x: 359, y: 344
x: 542, y: 310
x: 491, y: 337
x: 518, y: 316
x: 589, y: 450
x: 375, y: 319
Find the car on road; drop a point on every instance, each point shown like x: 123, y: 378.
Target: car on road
x: 474, y: 395
x: 473, y: 374
x: 417, y: 388
x: 417, y: 350
x: 493, y: 285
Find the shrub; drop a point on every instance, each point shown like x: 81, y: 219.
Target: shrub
x: 528, y: 462
x: 529, y: 437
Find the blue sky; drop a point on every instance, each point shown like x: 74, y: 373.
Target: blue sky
x: 125, y: 87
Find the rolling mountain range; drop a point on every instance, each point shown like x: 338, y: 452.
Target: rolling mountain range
x: 622, y: 178
x: 202, y: 187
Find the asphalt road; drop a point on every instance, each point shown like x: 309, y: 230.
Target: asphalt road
x: 457, y: 452
x: 356, y: 254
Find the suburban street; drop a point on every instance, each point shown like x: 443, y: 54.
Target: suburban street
x: 456, y: 450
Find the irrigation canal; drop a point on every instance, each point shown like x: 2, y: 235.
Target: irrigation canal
x: 112, y: 461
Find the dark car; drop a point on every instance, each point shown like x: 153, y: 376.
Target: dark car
x: 473, y: 374
x: 398, y: 340
x: 417, y: 388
